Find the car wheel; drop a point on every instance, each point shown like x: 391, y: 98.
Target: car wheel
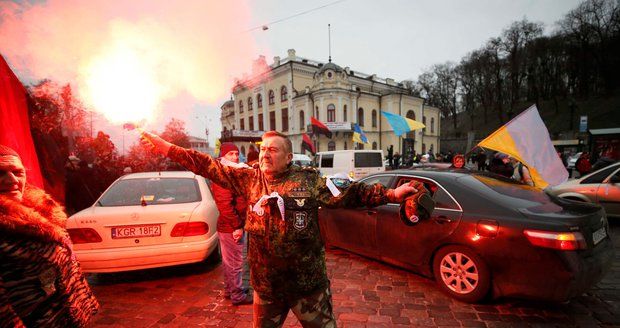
x: 461, y: 273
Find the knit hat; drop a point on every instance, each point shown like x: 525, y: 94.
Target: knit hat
x: 8, y: 151
x: 226, y: 147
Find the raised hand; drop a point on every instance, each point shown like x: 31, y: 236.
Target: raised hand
x: 155, y: 143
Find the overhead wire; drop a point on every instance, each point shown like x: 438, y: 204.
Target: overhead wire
x: 266, y: 26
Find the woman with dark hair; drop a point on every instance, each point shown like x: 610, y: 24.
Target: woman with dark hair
x: 41, y: 284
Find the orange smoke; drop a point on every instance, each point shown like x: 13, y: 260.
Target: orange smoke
x: 127, y: 58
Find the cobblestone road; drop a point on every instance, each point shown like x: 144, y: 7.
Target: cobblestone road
x: 366, y: 294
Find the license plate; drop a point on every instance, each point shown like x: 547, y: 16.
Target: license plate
x: 136, y: 231
x: 599, y: 235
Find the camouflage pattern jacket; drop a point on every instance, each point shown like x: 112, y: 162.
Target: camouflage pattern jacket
x: 286, y: 254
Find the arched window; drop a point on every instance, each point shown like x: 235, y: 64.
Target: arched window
x: 242, y: 124
x: 331, y: 146
x: 424, y: 122
x: 271, y: 97
x: 360, y: 146
x: 360, y: 116
x: 432, y: 125
x: 249, y: 104
x: 240, y: 106
x: 283, y: 93
x: 331, y: 113
x: 302, y: 121
x: 374, y: 118
x: 345, y: 146
x: 259, y: 101
x: 344, y: 112
x: 411, y: 115
x: 374, y: 145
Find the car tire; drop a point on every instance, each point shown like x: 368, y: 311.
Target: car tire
x: 461, y: 273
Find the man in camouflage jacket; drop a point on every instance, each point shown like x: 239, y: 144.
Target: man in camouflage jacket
x: 286, y: 253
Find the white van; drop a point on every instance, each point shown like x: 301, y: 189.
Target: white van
x: 355, y: 163
x: 301, y: 160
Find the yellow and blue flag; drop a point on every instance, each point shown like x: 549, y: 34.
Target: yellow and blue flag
x: 402, y: 125
x: 526, y: 139
x: 358, y: 135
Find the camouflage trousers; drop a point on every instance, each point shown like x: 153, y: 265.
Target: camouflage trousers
x: 312, y: 311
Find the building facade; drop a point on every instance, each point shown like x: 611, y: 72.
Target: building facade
x: 284, y: 96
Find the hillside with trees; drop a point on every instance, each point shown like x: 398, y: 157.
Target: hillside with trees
x: 572, y: 72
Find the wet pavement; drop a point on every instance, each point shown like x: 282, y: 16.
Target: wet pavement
x: 366, y: 294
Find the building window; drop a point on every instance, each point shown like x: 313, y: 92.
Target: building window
x: 411, y: 115
x: 344, y: 112
x: 345, y: 146
x: 251, y: 123
x: 243, y: 150
x: 259, y: 101
x: 317, y: 113
x: 374, y: 118
x: 432, y: 125
x: 271, y: 97
x: 284, y: 119
x: 331, y: 113
x: 302, y: 121
x: 272, y: 121
x: 331, y: 146
x: 242, y: 124
x: 360, y: 116
x: 316, y: 145
x: 423, y: 148
x: 360, y: 146
x: 374, y: 145
x: 261, y: 126
x: 240, y: 106
x: 283, y: 93
x: 424, y: 122
x: 249, y: 104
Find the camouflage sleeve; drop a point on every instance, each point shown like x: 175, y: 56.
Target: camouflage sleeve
x: 352, y: 195
x: 233, y: 179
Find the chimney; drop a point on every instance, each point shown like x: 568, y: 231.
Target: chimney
x: 276, y: 61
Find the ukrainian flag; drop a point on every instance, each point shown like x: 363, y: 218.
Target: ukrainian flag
x: 358, y: 135
x: 526, y: 139
x: 402, y: 125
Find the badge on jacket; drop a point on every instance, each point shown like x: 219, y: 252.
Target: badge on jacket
x: 300, y: 220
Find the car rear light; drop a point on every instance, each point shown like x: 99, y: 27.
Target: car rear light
x: 564, y: 241
x: 84, y: 236
x: 186, y: 229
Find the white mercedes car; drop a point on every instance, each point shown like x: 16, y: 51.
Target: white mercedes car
x: 147, y: 220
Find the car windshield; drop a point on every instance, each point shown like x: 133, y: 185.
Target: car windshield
x: 153, y: 191
x: 510, y: 193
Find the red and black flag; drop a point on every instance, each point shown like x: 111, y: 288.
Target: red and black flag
x: 319, y: 128
x: 307, y: 144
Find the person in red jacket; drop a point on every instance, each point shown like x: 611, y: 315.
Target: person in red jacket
x: 230, y: 231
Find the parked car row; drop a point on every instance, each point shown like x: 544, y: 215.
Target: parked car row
x: 488, y: 235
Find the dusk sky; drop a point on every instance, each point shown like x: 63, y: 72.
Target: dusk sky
x: 198, y: 49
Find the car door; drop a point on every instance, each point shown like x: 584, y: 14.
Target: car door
x: 608, y: 194
x: 354, y: 229
x: 411, y: 245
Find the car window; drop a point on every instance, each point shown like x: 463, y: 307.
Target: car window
x: 441, y: 197
x: 599, y: 176
x: 508, y: 193
x: 327, y: 160
x: 368, y: 160
x: 154, y: 191
x: 382, y: 179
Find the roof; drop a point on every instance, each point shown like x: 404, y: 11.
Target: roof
x: 162, y: 174
x: 604, y: 131
x: 331, y: 66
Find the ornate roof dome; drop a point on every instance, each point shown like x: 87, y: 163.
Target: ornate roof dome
x: 331, y: 66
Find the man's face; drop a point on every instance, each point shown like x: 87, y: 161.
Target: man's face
x: 273, y: 157
x: 232, y: 156
x: 12, y: 177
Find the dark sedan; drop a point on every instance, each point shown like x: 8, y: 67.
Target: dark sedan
x: 487, y: 236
